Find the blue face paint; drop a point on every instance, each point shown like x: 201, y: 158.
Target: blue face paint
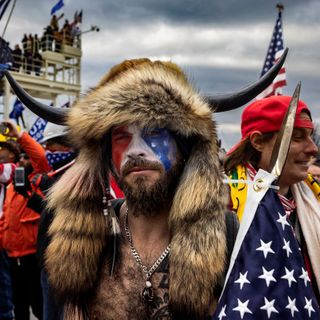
x: 161, y: 142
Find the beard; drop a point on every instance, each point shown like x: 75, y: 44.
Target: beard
x: 145, y: 198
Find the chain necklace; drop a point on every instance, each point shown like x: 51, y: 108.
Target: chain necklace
x: 147, y: 292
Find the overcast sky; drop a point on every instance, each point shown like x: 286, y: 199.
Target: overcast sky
x: 220, y: 44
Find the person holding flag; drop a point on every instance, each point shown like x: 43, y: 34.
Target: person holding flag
x: 147, y: 126
x: 279, y: 248
x: 57, y: 7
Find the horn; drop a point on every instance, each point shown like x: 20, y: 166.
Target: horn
x: 54, y: 115
x: 231, y: 101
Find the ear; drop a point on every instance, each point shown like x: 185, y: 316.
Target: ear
x: 257, y: 141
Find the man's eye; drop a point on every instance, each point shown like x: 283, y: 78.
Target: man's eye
x: 153, y: 133
x: 297, y: 137
x: 121, y: 137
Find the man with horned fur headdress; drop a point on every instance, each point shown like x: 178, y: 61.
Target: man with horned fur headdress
x: 159, y: 141
x: 162, y: 253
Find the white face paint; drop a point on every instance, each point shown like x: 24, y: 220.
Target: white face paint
x: 156, y: 145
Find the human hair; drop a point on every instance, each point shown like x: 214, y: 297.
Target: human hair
x: 245, y: 152
x: 13, y: 147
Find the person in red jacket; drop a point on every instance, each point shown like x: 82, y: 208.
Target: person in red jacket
x: 20, y: 228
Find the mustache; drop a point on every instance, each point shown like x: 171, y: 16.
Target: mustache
x: 141, y: 163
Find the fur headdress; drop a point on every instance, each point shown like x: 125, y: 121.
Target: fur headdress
x: 151, y: 95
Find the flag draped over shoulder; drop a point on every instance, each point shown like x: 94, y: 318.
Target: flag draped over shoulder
x: 3, y: 7
x: 267, y: 278
x: 275, y: 51
x: 57, y: 7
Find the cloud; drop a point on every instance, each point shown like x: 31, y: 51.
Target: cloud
x: 220, y: 44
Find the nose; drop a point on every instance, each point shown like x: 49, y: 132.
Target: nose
x: 311, y: 148
x: 137, y: 148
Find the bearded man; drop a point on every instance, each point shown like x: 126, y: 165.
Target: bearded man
x: 163, y: 251
x: 169, y: 227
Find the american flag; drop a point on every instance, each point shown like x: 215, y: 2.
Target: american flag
x: 58, y: 156
x: 268, y: 278
x: 275, y: 51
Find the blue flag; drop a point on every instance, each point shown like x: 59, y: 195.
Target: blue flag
x: 57, y: 7
x: 268, y: 279
x: 36, y: 131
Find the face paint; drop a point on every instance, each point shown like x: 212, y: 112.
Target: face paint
x: 154, y: 145
x: 161, y: 142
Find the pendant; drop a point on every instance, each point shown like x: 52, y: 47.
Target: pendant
x: 147, y: 292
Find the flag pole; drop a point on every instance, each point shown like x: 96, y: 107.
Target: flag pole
x: 5, y: 27
x: 280, y: 7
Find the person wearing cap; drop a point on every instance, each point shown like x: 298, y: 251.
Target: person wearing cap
x: 299, y: 193
x: 9, y: 155
x: 20, y: 227
x: 162, y: 252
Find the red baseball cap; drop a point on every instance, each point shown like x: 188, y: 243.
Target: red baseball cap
x: 266, y: 115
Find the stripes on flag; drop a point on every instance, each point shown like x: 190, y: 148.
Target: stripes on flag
x: 267, y: 277
x: 275, y: 51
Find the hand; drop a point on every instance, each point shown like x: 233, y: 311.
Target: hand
x: 12, y: 131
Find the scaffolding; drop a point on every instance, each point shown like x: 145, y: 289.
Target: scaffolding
x: 53, y: 69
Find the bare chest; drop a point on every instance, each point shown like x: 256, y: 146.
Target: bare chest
x: 120, y: 296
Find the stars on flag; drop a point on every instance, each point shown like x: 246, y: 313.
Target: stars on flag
x: 308, y: 306
x: 289, y: 276
x: 265, y: 248
x: 286, y: 247
x: 283, y: 220
x: 222, y: 313
x: 242, y: 308
x: 304, y: 276
x: 242, y: 279
x: 268, y: 279
x: 267, y: 276
x: 275, y: 50
x: 269, y: 307
x: 292, y: 306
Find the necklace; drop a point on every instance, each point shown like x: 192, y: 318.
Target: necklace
x: 147, y: 292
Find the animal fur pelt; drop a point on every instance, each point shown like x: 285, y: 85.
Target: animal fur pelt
x: 150, y: 95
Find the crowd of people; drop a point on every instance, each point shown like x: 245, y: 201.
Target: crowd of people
x: 160, y: 246
x: 29, y: 58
